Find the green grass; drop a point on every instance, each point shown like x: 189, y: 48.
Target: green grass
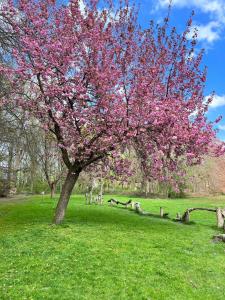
x: 101, y: 252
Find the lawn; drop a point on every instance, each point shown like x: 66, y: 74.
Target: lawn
x: 102, y: 252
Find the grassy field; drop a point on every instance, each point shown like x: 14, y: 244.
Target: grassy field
x: 101, y: 252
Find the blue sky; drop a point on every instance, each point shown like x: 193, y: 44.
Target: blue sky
x: 210, y: 20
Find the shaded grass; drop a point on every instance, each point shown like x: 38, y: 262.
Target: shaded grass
x: 102, y: 252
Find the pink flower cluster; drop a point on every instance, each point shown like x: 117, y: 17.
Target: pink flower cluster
x: 101, y: 84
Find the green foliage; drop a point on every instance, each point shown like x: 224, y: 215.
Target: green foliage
x: 36, y: 187
x: 105, y: 253
x: 40, y: 186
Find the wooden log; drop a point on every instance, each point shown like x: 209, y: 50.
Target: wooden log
x: 178, y: 216
x: 223, y: 212
x: 129, y: 204
x: 220, y: 218
x: 202, y: 208
x: 140, y: 211
x: 138, y: 208
x: 161, y: 212
x: 116, y: 202
x: 125, y: 203
x: 112, y: 202
x: 186, y: 216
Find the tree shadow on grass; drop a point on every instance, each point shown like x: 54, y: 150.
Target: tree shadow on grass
x: 121, y: 217
x: 40, y: 213
x: 20, y: 215
x: 31, y: 214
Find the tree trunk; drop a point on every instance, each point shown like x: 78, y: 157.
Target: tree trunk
x: 52, y: 188
x: 9, y: 171
x: 67, y: 188
x: 101, y: 190
x: 91, y: 195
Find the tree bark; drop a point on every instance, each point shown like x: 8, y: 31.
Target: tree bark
x: 101, y: 190
x: 67, y: 189
x: 52, y: 188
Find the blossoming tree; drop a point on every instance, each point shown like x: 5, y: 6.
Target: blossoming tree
x: 98, y: 82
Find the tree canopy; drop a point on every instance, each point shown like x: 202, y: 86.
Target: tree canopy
x: 100, y: 84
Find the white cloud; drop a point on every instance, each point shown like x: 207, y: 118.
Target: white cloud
x: 208, y: 32
x: 206, y: 6
x: 215, y: 9
x: 218, y: 101
x: 82, y: 6
x: 221, y: 127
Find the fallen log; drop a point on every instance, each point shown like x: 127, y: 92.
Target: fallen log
x: 130, y: 203
x: 112, y: 201
x: 116, y: 202
x: 125, y: 203
x: 140, y: 211
x: 136, y: 206
x: 186, y: 216
x: 220, y: 214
